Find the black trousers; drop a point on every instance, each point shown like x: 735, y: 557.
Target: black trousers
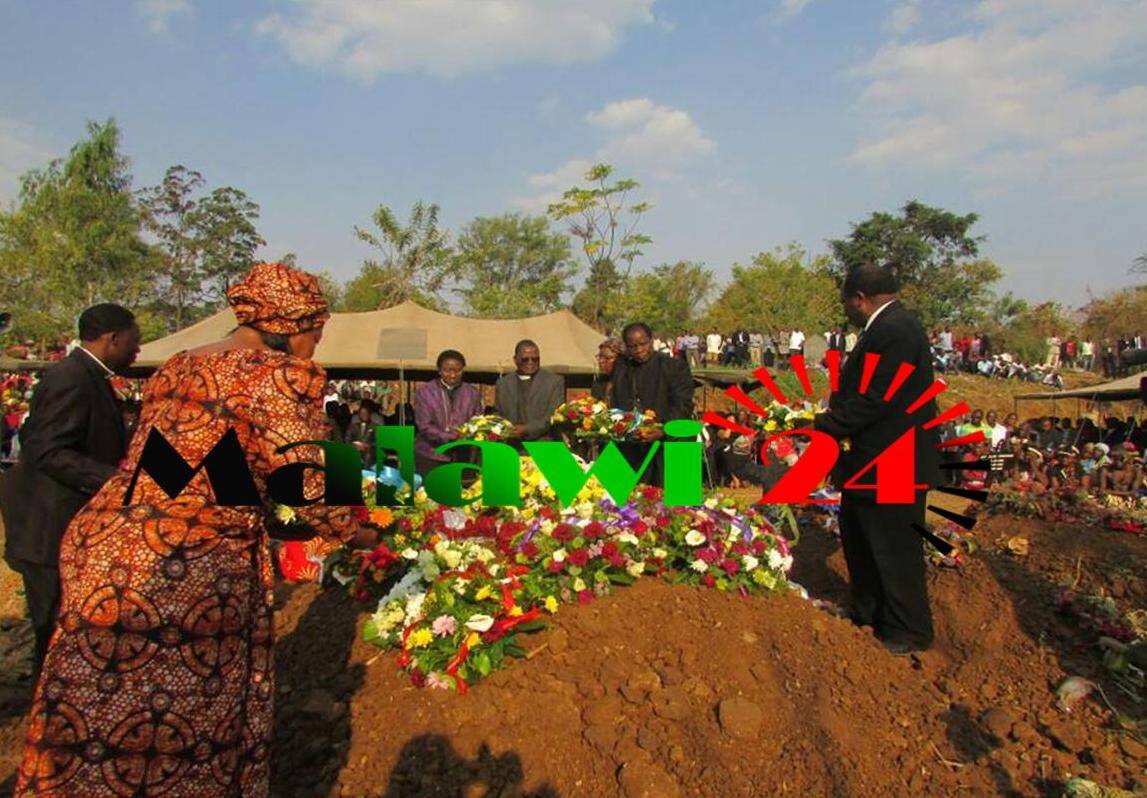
x: 886, y: 568
x: 42, y: 594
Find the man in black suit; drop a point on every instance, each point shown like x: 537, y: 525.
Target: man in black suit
x: 71, y: 443
x: 530, y: 395
x: 648, y: 380
x: 884, y: 553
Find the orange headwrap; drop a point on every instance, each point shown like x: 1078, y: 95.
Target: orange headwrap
x: 275, y: 298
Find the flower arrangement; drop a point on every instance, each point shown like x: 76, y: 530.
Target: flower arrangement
x: 1123, y: 513
x: 454, y: 588
x: 779, y: 417
x: 486, y: 428
x: 589, y: 418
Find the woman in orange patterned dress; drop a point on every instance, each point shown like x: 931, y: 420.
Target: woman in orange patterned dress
x: 159, y: 677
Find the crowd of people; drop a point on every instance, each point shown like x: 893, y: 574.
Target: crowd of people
x: 1050, y: 454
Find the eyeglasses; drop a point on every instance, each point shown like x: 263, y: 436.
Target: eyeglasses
x: 529, y: 359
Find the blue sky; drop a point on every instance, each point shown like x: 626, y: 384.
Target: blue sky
x: 749, y: 124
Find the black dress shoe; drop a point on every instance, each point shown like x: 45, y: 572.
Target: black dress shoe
x: 900, y: 648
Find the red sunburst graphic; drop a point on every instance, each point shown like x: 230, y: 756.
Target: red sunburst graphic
x: 868, y: 369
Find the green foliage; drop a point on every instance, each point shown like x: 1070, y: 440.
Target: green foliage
x: 1119, y: 313
x: 73, y: 238
x: 600, y: 217
x: 933, y: 255
x: 417, y: 259
x: 512, y: 266
x: 776, y: 292
x: 669, y: 298
x: 1026, y: 332
x: 206, y: 241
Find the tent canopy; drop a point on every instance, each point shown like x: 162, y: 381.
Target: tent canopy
x: 1119, y: 390
x: 379, y: 343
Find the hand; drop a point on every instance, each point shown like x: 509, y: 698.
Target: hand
x: 651, y: 434
x: 519, y: 431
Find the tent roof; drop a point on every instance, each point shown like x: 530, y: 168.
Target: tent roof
x: 378, y: 342
x: 1118, y: 390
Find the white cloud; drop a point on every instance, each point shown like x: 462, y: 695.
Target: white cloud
x: 787, y: 9
x: 19, y: 152
x: 639, y: 137
x: 159, y: 13
x: 904, y: 17
x: 1025, y: 94
x: 365, y: 38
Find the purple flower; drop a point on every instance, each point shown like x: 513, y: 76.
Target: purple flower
x: 444, y: 626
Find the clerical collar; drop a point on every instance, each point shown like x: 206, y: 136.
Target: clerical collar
x: 449, y: 387
x: 524, y: 377
x: 107, y: 372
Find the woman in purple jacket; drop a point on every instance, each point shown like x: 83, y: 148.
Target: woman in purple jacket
x: 440, y: 406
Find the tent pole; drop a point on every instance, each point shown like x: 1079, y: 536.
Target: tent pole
x: 401, y: 394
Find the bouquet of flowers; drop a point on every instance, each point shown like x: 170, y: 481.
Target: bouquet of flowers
x: 589, y: 418
x: 486, y: 428
x: 779, y: 417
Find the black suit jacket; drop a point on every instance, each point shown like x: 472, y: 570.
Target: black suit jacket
x: 869, y: 422
x: 662, y: 383
x: 71, y: 444
x: 534, y: 408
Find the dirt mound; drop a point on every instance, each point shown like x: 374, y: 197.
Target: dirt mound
x: 662, y: 690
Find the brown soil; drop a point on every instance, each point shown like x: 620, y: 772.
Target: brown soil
x: 660, y: 690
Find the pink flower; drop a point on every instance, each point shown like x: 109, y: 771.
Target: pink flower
x: 443, y: 626
x: 435, y: 681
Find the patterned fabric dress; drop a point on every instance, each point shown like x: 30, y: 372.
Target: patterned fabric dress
x: 159, y: 677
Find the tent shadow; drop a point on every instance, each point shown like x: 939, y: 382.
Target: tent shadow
x: 429, y: 766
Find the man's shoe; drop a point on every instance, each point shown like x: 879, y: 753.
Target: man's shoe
x: 900, y: 648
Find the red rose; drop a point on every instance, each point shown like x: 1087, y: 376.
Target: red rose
x: 639, y: 527
x: 707, y: 554
x: 609, y: 550
x: 708, y: 581
x: 578, y: 557
x: 530, y: 551
x: 730, y: 567
x: 563, y: 533
x: 585, y: 597
x: 662, y: 521
x: 617, y: 561
x: 593, y: 530
x: 555, y: 567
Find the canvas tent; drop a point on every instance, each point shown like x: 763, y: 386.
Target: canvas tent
x: 1120, y: 390
x: 406, y: 339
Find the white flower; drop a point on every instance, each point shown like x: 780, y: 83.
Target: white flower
x: 414, y: 605
x: 452, y: 557
x: 480, y: 623
x: 635, y: 568
x: 460, y: 587
x: 585, y: 510
x: 428, y: 565
x: 694, y: 538
x: 660, y: 554
x: 560, y: 555
x: 711, y: 503
x: 578, y: 585
x: 454, y: 519
x: 483, y: 554
x: 750, y: 562
x: 409, y: 554
x: 628, y: 537
x: 776, y: 561
x: 700, y: 566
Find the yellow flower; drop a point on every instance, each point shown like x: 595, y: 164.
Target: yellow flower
x: 473, y: 640
x: 579, y: 585
x: 551, y: 604
x: 515, y: 611
x: 420, y: 638
x: 483, y: 593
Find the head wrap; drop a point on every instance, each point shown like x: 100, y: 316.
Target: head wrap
x: 274, y: 298
x: 614, y: 345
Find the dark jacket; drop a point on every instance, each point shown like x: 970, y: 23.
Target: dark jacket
x: 662, y: 383
x: 867, y: 420
x: 71, y: 443
x: 533, y: 406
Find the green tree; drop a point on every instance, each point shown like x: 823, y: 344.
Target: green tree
x: 417, y: 260
x: 778, y: 291
x: 512, y: 266
x: 73, y: 238
x: 1116, y: 314
x: 600, y: 217
x: 935, y: 258
x: 207, y: 241
x: 669, y: 299
x: 364, y: 291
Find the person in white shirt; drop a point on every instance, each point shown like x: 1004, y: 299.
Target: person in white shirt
x: 999, y: 432
x: 713, y: 343
x: 796, y: 342
x: 946, y: 339
x: 1053, y: 343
